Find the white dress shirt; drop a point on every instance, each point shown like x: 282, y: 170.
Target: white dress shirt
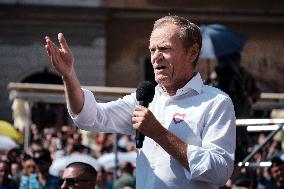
x: 200, y: 115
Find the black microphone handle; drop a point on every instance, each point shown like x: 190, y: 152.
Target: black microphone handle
x: 139, y: 137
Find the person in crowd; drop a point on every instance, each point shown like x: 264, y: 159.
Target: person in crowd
x: 104, y: 179
x: 126, y: 178
x: 29, y: 167
x: 16, y: 173
x: 126, y: 143
x: 241, y: 86
x: 189, y: 127
x: 14, y: 158
x: 277, y: 172
x: 55, y: 148
x: 41, y: 179
x: 35, y: 132
x: 107, y: 144
x: 5, y: 181
x: 238, y: 83
x: 78, y: 175
x: 275, y: 179
x: 35, y: 148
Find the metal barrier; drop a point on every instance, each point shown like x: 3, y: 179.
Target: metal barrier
x: 273, y: 125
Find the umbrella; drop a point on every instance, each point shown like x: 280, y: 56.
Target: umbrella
x: 218, y: 41
x: 108, y: 160
x: 9, y: 130
x: 7, y: 143
x: 59, y: 164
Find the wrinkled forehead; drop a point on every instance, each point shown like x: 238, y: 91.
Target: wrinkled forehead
x: 164, y: 32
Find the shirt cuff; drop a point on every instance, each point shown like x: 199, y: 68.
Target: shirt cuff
x: 89, y: 107
x: 198, y: 162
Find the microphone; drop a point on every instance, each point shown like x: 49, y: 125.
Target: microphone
x: 144, y: 94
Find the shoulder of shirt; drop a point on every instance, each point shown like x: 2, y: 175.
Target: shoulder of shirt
x: 213, y: 91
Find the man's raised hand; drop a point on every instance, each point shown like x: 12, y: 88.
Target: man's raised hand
x: 62, y: 58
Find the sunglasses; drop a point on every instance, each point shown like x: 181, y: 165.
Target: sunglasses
x: 71, y: 181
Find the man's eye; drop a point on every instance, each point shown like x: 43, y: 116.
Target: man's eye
x: 152, y: 51
x: 165, y: 49
x: 161, y: 49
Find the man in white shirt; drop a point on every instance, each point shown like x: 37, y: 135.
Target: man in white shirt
x: 189, y: 127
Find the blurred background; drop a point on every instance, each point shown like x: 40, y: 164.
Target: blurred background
x: 242, y: 54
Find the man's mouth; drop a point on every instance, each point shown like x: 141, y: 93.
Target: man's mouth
x: 160, y: 67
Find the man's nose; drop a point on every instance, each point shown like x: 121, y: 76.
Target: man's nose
x: 157, y: 56
x: 64, y: 185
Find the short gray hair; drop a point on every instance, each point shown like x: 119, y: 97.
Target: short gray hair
x: 190, y: 33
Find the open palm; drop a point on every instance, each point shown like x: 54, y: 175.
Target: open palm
x: 62, y: 58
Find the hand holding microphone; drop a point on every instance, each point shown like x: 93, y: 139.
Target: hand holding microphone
x: 144, y: 94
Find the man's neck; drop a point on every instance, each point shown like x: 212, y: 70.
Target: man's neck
x: 171, y: 90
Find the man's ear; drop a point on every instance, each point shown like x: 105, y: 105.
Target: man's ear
x: 193, y: 52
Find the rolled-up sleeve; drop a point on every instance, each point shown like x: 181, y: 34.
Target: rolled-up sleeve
x: 109, y: 117
x: 213, y: 161
x: 86, y: 118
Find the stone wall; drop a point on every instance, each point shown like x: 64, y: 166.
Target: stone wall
x: 110, y: 38
x: 22, y: 51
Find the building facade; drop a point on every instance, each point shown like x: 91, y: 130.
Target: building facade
x: 110, y: 38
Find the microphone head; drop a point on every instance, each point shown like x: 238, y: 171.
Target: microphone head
x: 145, y: 91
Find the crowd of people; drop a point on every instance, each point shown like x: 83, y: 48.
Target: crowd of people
x: 257, y: 176
x: 28, y: 169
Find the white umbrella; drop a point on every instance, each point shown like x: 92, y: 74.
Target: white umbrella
x: 6, y: 143
x: 59, y: 164
x: 108, y: 160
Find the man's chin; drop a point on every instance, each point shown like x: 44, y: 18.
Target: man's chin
x: 162, y: 80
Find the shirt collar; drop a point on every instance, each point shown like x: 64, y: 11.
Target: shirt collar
x: 195, y: 84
